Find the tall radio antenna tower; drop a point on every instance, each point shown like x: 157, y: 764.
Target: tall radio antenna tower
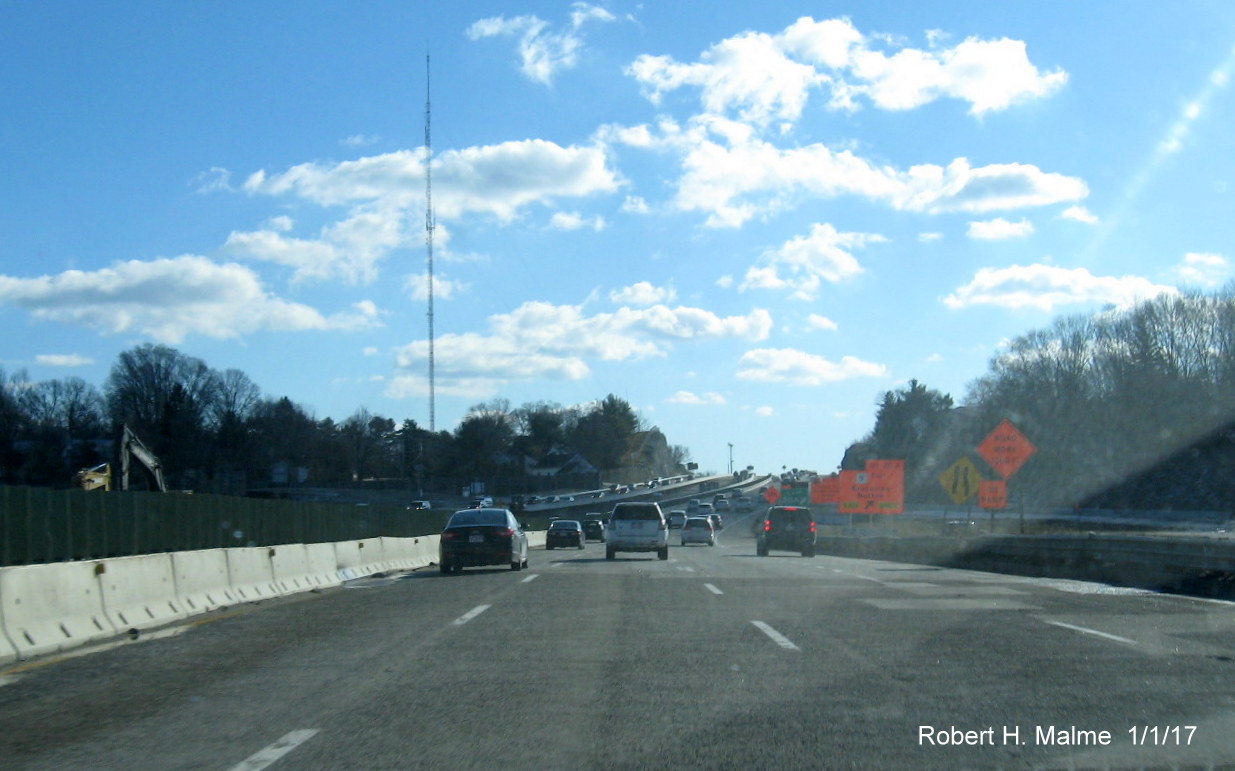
x: 429, y: 245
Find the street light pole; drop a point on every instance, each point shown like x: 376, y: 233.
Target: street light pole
x: 731, y: 458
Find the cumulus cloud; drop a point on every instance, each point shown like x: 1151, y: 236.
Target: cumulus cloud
x: 171, y: 299
x: 761, y: 77
x: 815, y: 321
x: 693, y: 399
x: 1046, y: 287
x: 643, y: 293
x: 417, y: 286
x: 539, y: 340
x: 765, y: 411
x: 1199, y: 269
x: 787, y: 365
x: 1000, y: 229
x: 732, y: 175
x: 803, y: 263
x: 63, y: 360
x: 351, y: 249
x: 542, y: 51
x: 575, y: 221
x: 1079, y: 214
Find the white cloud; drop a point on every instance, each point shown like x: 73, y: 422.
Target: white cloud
x: 576, y: 221
x: 350, y: 249
x: 1000, y: 229
x: 803, y: 263
x: 369, y: 350
x: 417, y: 286
x: 934, y: 358
x: 169, y: 300
x: 542, y: 52
x: 787, y: 365
x: 1046, y: 287
x: 1199, y: 269
x: 635, y: 205
x: 732, y: 176
x: 707, y: 399
x: 926, y: 238
x: 765, y: 411
x: 360, y: 140
x: 1080, y: 214
x: 492, y: 179
x: 539, y: 340
x: 762, y: 78
x: 215, y: 180
x: 63, y: 360
x: 643, y: 293
x: 815, y: 321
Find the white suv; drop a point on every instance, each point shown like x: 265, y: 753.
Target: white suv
x: 637, y: 527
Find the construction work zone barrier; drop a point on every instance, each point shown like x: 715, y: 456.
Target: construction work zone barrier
x: 202, y: 581
x: 321, y: 565
x: 250, y: 573
x: 46, y: 608
x: 139, y: 592
x: 51, y: 607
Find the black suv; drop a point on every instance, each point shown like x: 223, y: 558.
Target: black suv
x: 787, y: 528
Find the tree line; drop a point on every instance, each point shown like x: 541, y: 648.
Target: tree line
x: 216, y: 432
x: 1128, y: 408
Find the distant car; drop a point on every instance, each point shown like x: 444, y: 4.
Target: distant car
x: 594, y: 529
x: 744, y: 505
x: 692, y: 506
x: 637, y: 526
x: 787, y: 528
x: 486, y: 536
x: 677, y: 518
x: 722, y: 506
x: 565, y: 532
x: 698, y: 530
x: 420, y: 506
x: 481, y: 502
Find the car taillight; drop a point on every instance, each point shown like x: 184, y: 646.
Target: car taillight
x: 812, y: 527
x: 449, y: 534
x: 767, y: 525
x: 506, y: 533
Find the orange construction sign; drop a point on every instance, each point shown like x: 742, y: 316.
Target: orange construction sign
x: 880, y: 489
x: 1006, y: 449
x: 993, y: 494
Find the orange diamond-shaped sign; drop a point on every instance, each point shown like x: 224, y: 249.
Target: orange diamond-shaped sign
x: 1006, y: 449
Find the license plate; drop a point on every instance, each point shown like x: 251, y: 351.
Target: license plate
x: 476, y: 539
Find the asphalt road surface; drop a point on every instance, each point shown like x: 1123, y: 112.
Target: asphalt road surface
x: 713, y: 659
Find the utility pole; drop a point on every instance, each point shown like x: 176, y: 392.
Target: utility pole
x: 731, y: 458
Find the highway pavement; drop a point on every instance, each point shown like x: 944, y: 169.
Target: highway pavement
x: 713, y: 659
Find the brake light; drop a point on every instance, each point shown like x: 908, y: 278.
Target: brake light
x: 448, y: 535
x: 506, y: 533
x: 767, y: 525
x: 812, y: 527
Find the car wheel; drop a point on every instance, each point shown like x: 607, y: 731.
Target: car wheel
x: 609, y: 553
x: 445, y: 568
x: 663, y: 553
x: 809, y: 552
x: 516, y: 565
x: 761, y: 551
x: 581, y: 545
x: 548, y: 547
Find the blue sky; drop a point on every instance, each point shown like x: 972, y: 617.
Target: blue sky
x: 747, y: 219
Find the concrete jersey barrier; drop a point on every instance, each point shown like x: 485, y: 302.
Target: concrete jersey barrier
x: 139, y: 592
x: 46, y: 608
x: 202, y: 582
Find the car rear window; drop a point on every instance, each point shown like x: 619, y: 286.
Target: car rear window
x: 477, y: 517
x: 564, y: 524
x: 636, y: 511
x: 796, y: 516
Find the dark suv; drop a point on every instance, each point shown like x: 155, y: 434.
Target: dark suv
x: 787, y: 528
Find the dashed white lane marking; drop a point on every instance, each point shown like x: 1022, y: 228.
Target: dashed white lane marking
x: 686, y: 568
x: 1094, y: 632
x: 471, y: 614
x: 260, y: 760
x: 713, y: 589
x: 776, y: 636
x: 530, y: 578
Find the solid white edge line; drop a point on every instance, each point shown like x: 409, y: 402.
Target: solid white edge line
x: 530, y: 578
x: 471, y: 614
x: 263, y: 758
x: 1095, y: 632
x: 776, y: 636
x: 713, y: 589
